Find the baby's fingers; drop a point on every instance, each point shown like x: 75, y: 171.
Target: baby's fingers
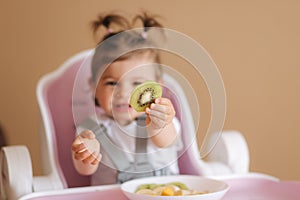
x: 97, y: 159
x: 156, y: 114
x: 163, y: 101
x: 76, y: 148
x: 87, y: 134
x: 82, y: 155
x: 92, y: 159
x: 163, y: 105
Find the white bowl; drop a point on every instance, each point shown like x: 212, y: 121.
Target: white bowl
x: 216, y: 188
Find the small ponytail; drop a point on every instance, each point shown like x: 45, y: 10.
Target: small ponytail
x: 147, y: 21
x: 107, y: 21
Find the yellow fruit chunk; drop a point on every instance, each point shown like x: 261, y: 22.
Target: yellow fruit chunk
x: 178, y: 193
x: 167, y: 191
x: 145, y: 191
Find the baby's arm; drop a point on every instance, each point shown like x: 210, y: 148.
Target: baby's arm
x: 159, y: 122
x: 85, y: 153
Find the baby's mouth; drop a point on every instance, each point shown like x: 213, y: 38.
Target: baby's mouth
x: 122, y: 106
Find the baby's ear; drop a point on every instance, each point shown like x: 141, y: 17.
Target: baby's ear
x: 91, y: 84
x: 161, y: 81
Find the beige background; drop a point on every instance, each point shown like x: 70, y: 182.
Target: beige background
x: 255, y: 44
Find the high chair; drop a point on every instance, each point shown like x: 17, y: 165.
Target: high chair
x: 56, y: 95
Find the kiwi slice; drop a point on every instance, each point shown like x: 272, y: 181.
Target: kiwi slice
x: 145, y: 94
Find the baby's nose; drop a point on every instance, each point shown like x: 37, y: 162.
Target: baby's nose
x: 123, y: 91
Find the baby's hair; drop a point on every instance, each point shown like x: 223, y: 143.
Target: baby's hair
x: 116, y: 41
x: 107, y: 22
x: 148, y: 21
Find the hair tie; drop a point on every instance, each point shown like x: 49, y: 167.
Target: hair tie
x: 144, y: 34
x: 110, y: 30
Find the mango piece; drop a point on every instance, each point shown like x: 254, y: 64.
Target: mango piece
x: 168, y: 191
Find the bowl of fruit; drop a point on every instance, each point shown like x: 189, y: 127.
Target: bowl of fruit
x: 185, y: 187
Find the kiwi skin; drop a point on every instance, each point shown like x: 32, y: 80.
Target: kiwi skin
x: 145, y: 94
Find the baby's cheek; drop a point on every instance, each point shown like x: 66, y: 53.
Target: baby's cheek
x: 133, y: 114
x: 138, y: 114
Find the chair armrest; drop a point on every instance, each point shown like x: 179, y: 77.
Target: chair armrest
x: 16, y: 172
x: 232, y: 151
x: 46, y: 183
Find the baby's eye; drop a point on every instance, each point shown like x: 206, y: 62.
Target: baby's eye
x: 112, y: 83
x: 136, y: 83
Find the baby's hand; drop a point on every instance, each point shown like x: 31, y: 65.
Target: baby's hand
x: 161, y: 113
x: 86, y: 148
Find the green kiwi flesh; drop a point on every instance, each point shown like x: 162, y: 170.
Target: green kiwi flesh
x: 145, y: 94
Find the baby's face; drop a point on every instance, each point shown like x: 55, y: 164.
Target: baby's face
x: 116, y: 84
